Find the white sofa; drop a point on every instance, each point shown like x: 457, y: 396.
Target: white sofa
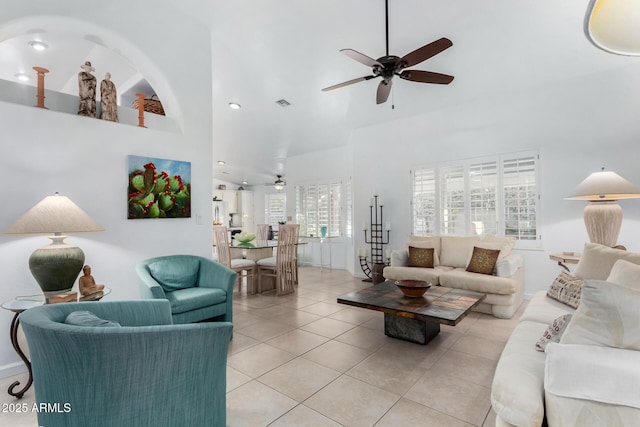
x: 504, y: 288
x: 591, y: 377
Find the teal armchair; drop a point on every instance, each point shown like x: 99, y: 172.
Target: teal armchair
x: 197, y: 288
x: 142, y: 371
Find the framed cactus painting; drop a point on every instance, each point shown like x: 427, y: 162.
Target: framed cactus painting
x: 158, y: 188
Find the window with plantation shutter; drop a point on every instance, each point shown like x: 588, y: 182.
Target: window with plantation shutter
x: 425, y: 220
x: 520, y: 197
x: 275, y: 208
x: 489, y: 195
x: 317, y: 206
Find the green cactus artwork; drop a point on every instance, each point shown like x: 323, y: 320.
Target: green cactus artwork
x: 158, y: 188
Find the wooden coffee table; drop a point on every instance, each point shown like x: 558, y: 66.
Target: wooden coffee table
x: 415, y: 319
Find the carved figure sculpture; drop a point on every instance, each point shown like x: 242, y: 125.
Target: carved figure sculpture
x: 86, y: 91
x: 108, y: 99
x: 87, y: 283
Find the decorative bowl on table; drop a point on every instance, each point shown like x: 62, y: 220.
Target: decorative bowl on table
x: 413, y: 288
x: 245, y: 238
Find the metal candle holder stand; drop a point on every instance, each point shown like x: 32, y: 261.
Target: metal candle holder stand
x: 377, y: 241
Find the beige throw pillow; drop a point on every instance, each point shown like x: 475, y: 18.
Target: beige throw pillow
x: 608, y: 316
x: 566, y: 288
x: 554, y: 332
x: 597, y: 260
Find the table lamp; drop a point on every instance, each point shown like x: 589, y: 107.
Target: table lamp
x: 603, y: 216
x: 57, y: 265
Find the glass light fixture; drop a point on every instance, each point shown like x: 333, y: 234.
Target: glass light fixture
x: 612, y: 25
x: 38, y: 45
x: 603, y: 216
x: 56, y: 266
x: 279, y: 184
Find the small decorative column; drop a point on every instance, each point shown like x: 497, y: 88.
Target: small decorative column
x: 374, y: 272
x: 40, y: 96
x: 141, y: 97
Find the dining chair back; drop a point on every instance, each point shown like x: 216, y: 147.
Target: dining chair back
x: 283, y: 266
x: 262, y: 231
x: 244, y: 267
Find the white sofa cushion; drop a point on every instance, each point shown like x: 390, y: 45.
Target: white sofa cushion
x: 517, y: 392
x: 572, y: 370
x: 608, y: 315
x: 543, y: 309
x: 625, y: 273
x: 509, y: 265
x: 456, y: 251
x: 504, y: 244
x: 430, y: 275
x: 461, y: 279
x: 597, y: 261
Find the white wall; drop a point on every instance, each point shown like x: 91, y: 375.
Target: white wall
x: 45, y: 151
x: 577, y: 126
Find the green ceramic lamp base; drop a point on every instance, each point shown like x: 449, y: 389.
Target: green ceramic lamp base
x: 56, y: 266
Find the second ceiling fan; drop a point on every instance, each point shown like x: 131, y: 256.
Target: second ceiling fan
x: 391, y: 65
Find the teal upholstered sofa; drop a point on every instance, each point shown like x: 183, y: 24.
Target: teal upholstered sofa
x: 198, y: 288
x: 145, y: 372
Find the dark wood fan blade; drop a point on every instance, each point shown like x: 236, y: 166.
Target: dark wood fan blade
x: 425, y: 52
x: 426, y: 77
x: 360, y: 57
x: 384, y: 89
x: 348, y: 82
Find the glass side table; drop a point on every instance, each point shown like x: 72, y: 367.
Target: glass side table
x: 19, y: 305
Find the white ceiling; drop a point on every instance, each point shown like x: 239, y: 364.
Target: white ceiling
x: 267, y: 50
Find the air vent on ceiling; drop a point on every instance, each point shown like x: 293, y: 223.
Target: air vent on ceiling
x: 283, y: 103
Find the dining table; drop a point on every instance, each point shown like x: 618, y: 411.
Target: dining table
x: 256, y: 250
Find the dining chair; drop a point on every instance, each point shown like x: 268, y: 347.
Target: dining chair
x: 244, y: 267
x: 283, y: 266
x: 262, y: 231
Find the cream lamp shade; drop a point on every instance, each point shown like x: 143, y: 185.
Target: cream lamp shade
x: 56, y: 266
x: 613, y: 25
x: 603, y: 216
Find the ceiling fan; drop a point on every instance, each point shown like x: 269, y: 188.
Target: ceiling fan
x: 390, y: 65
x: 279, y: 184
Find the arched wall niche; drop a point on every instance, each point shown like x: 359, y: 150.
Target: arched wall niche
x: 71, y: 42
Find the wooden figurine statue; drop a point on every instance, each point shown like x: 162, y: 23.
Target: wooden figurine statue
x: 108, y: 99
x: 87, y: 283
x: 87, y: 91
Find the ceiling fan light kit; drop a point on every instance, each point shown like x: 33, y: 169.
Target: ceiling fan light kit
x: 279, y: 184
x: 390, y: 65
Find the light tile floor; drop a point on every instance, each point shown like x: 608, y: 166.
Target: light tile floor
x: 304, y: 360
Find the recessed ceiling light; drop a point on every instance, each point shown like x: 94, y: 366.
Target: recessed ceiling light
x: 221, y: 162
x: 245, y: 182
x: 234, y: 106
x: 22, y: 77
x: 38, y: 45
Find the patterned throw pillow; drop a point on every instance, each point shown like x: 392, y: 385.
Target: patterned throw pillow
x: 566, y: 288
x: 553, y: 332
x: 483, y: 261
x: 420, y: 257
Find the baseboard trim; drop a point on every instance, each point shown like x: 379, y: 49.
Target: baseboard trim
x: 12, y: 369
